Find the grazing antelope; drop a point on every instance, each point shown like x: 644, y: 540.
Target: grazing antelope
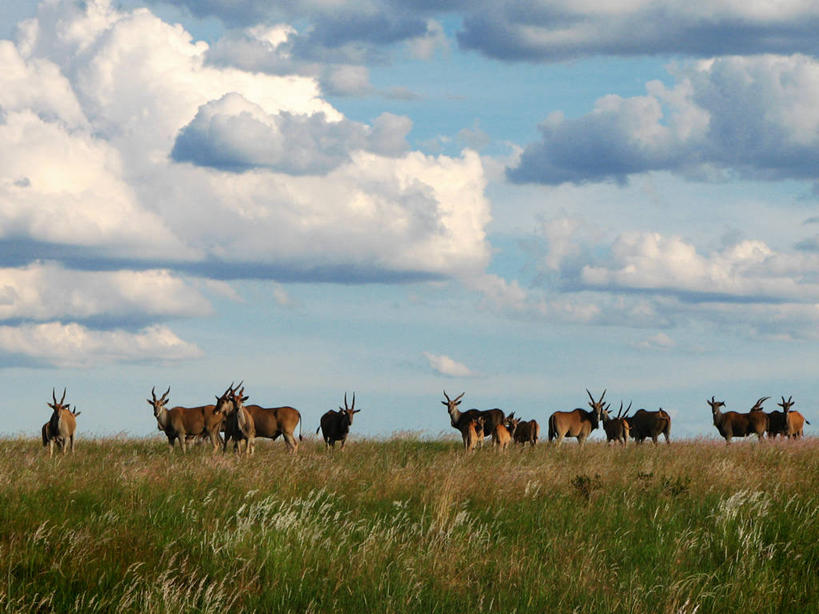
x: 61, y: 426
x: 182, y: 423
x: 460, y: 420
x: 474, y: 433
x: 794, y: 421
x: 577, y: 423
x: 527, y: 431
x: 502, y: 436
x: 616, y: 429
x: 335, y: 425
x: 732, y: 424
x: 238, y: 422
x: 650, y: 424
x: 270, y: 422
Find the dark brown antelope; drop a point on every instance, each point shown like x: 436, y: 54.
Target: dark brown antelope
x: 238, y: 423
x: 794, y: 421
x: 527, y: 431
x: 778, y: 420
x: 577, y: 423
x: 474, y: 433
x: 335, y: 425
x: 616, y: 429
x: 733, y: 424
x: 271, y: 422
x: 460, y: 420
x: 61, y: 427
x: 182, y: 423
x: 652, y: 424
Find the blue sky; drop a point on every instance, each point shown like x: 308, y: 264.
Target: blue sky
x: 516, y: 200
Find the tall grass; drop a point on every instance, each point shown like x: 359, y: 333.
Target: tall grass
x: 410, y: 526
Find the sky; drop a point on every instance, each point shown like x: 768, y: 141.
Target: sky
x: 515, y: 200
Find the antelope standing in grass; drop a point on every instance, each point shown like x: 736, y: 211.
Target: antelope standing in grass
x: 474, y: 433
x: 335, y: 425
x: 271, y: 422
x: 502, y: 436
x: 733, y: 424
x: 650, y: 424
x: 526, y: 431
x: 61, y: 427
x: 778, y: 420
x: 238, y: 422
x: 577, y: 423
x: 460, y: 420
x: 182, y: 423
x: 794, y: 421
x: 616, y: 429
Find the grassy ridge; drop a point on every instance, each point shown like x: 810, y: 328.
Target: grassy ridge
x: 411, y: 526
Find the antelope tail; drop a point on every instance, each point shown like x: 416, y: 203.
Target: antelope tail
x: 317, y: 430
x: 552, y: 429
x: 300, y: 422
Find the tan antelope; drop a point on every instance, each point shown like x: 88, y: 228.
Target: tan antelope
x: 652, y: 424
x: 460, y: 420
x: 502, y: 436
x: 577, y: 423
x: 335, y: 425
x: 271, y: 422
x: 733, y: 424
x: 526, y: 431
x: 474, y: 433
x: 238, y: 423
x: 794, y: 421
x: 183, y: 423
x: 61, y: 427
x: 616, y: 429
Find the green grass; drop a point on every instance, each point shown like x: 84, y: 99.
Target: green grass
x: 411, y: 526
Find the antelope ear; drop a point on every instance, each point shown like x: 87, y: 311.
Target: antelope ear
x: 245, y: 399
x: 444, y: 403
x: 356, y: 411
x: 150, y: 402
x: 77, y: 414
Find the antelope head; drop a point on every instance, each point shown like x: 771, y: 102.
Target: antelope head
x: 57, y: 406
x: 597, y: 407
x: 786, y: 405
x: 158, y: 404
x: 758, y: 405
x: 348, y: 412
x: 715, y: 405
x: 225, y: 404
x: 452, y: 404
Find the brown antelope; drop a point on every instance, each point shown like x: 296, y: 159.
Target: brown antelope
x: 460, y: 420
x: 650, y: 424
x: 732, y: 424
x: 502, y: 436
x: 238, y: 422
x: 577, y: 423
x: 778, y: 420
x: 182, y: 423
x: 270, y: 422
x: 474, y: 433
x: 794, y: 421
x: 61, y: 427
x: 527, y: 431
x: 335, y: 425
x: 616, y: 429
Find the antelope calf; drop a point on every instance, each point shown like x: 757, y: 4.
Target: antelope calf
x: 61, y: 426
x: 474, y: 434
x: 527, y: 431
x: 502, y: 436
x: 616, y: 429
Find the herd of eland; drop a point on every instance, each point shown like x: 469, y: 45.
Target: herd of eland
x: 230, y: 419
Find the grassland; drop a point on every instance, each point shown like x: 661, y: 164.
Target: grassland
x: 404, y: 525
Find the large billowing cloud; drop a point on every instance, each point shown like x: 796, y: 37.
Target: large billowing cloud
x: 755, y: 117
x: 126, y: 151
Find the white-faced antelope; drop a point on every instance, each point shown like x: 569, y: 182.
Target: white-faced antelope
x: 182, y: 423
x: 335, y: 425
x: 732, y: 424
x: 61, y: 427
x: 459, y: 420
x: 577, y: 423
x: 616, y: 429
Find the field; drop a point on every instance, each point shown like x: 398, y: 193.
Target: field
x: 407, y: 525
